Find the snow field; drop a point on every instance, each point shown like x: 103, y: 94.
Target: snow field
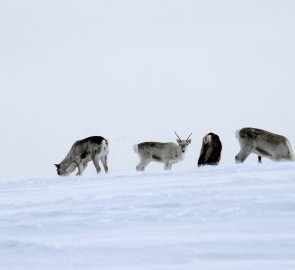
x: 226, y: 217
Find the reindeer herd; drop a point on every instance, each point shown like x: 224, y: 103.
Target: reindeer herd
x: 252, y: 140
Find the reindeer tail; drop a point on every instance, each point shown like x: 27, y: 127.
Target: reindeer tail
x: 238, y: 133
x: 135, y: 148
x: 290, y: 150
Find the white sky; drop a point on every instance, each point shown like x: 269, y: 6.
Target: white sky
x: 133, y: 71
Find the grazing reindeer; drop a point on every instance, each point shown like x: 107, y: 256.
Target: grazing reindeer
x: 92, y: 148
x: 211, y: 150
x: 167, y: 153
x: 264, y: 144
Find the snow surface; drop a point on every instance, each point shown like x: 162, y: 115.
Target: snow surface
x: 227, y: 217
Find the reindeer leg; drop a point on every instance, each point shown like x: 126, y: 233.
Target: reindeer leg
x: 104, y: 160
x: 167, y: 165
x: 141, y: 165
x: 80, y: 168
x: 96, y: 164
x: 241, y: 157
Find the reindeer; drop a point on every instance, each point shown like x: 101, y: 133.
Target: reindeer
x: 93, y: 148
x: 264, y: 144
x: 167, y: 153
x: 211, y: 150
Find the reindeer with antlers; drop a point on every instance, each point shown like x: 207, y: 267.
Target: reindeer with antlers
x: 167, y: 153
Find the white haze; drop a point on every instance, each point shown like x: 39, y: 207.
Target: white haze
x: 139, y: 70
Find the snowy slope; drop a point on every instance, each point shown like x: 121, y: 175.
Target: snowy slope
x: 237, y: 217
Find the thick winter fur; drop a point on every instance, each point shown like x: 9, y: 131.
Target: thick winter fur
x: 93, y: 148
x: 167, y: 153
x: 264, y: 144
x: 211, y: 150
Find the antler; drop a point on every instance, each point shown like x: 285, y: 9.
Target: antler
x: 177, y: 135
x: 189, y: 136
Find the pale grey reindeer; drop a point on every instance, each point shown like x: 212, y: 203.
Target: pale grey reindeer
x: 93, y: 148
x: 264, y: 144
x: 167, y: 153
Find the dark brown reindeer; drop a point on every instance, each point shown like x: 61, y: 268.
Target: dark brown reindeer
x: 211, y: 150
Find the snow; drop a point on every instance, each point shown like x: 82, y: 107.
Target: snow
x: 226, y: 217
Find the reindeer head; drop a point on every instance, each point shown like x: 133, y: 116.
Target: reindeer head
x: 183, y: 143
x: 64, y: 169
x: 60, y: 170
